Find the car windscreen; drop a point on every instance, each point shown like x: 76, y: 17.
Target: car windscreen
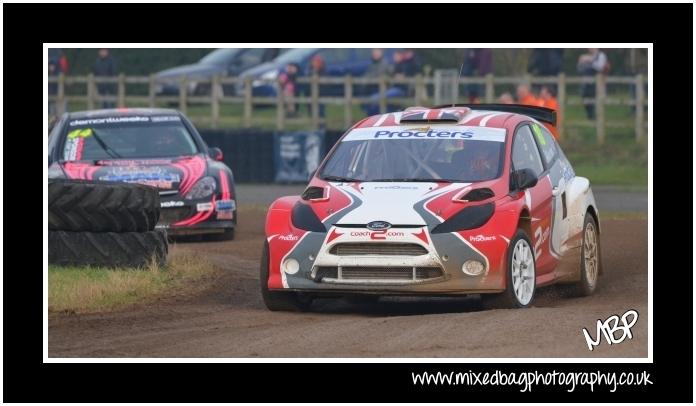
x: 429, y: 153
x: 127, y: 137
x: 220, y: 56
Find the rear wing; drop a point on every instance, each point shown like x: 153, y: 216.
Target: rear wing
x: 538, y: 113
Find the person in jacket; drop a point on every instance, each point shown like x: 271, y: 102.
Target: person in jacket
x: 590, y: 64
x: 105, y: 67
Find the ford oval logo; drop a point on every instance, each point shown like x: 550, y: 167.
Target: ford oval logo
x: 378, y: 225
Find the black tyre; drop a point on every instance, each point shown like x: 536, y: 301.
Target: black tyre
x: 227, y: 235
x: 275, y: 300
x: 98, y: 206
x: 520, y: 277
x: 590, y: 259
x: 107, y: 249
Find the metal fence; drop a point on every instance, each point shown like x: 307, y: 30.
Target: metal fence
x: 425, y: 90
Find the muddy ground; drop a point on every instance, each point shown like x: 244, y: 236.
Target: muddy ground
x: 228, y: 319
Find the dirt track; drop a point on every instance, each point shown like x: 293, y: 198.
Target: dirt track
x: 229, y: 319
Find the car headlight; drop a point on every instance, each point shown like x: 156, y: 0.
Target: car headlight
x: 468, y: 218
x: 304, y: 218
x: 203, y: 188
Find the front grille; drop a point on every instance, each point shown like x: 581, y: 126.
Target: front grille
x: 174, y: 214
x: 377, y: 249
x: 377, y: 273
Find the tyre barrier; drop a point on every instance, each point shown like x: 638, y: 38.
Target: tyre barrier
x: 106, y: 224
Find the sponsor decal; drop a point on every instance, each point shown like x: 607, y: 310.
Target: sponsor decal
x: 377, y: 235
x: 172, y: 203
x: 225, y: 205
x: 151, y: 176
x: 288, y: 237
x: 396, y: 187
x: 540, y: 237
x: 334, y: 234
x: 204, y: 206
x: 83, y: 133
x: 537, y: 131
x: 160, y: 119
x: 414, y: 133
x: 225, y: 215
x: 449, y: 132
x: 481, y: 237
x: 109, y: 120
x: 423, y: 236
x: 134, y: 162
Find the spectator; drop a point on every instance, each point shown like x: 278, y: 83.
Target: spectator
x: 53, y: 70
x: 506, y: 98
x: 590, y: 64
x: 477, y: 62
x: 379, y: 65
x: 288, y: 83
x: 105, y: 66
x: 525, y: 96
x: 318, y: 66
x: 547, y: 99
x: 545, y: 62
x: 405, y: 66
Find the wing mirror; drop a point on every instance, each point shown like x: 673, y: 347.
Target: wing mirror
x: 215, y: 153
x: 524, y: 178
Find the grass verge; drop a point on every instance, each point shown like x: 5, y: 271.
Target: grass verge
x: 87, y: 289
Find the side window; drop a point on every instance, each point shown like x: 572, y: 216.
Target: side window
x: 251, y: 57
x: 525, y: 154
x: 335, y: 55
x: 546, y: 143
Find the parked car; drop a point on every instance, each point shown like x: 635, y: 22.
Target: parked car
x: 472, y: 199
x: 156, y: 147
x: 224, y: 62
x: 338, y: 62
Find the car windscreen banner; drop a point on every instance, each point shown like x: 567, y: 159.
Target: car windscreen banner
x: 297, y: 155
x: 427, y: 132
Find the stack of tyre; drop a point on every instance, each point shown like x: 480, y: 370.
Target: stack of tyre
x: 105, y: 224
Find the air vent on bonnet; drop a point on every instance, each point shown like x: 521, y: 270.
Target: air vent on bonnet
x: 315, y: 193
x: 423, y: 115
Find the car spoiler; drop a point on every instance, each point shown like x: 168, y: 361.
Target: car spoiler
x: 538, y: 113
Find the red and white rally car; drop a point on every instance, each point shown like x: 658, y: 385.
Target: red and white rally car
x: 468, y: 199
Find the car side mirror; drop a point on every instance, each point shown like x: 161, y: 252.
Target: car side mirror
x: 524, y: 178
x: 215, y: 153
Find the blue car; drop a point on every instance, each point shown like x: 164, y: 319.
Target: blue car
x: 223, y: 62
x: 338, y: 62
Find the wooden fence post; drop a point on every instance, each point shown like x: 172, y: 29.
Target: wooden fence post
x: 91, y: 91
x: 315, y: 100
x: 640, y: 101
x: 60, y: 104
x: 382, y: 95
x: 247, y: 102
x: 600, y: 96
x: 151, y: 91
x: 121, y: 90
x: 280, y: 108
x: 490, y: 89
x: 348, y: 103
x: 183, y: 92
x: 561, y: 88
x: 418, y: 93
x: 215, y: 100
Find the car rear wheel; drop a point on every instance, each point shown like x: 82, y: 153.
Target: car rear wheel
x: 521, y: 276
x: 278, y: 300
x: 590, y: 261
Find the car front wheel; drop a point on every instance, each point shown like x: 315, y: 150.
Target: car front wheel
x: 521, y: 276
